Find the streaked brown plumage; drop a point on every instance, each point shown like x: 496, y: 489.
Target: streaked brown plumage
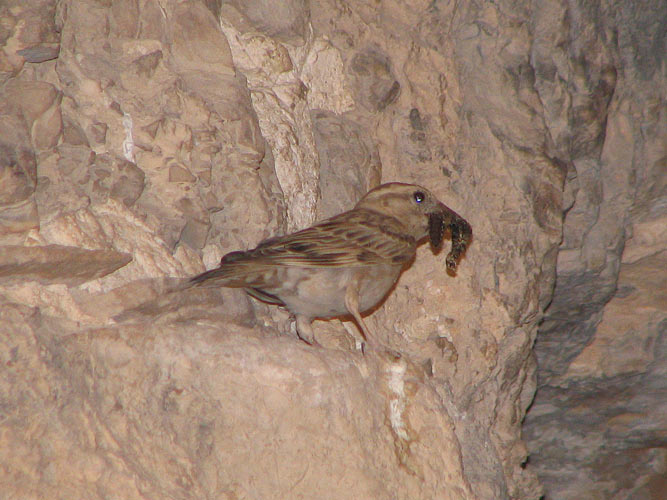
x: 346, y: 264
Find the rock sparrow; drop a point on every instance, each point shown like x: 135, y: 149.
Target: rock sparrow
x: 347, y: 264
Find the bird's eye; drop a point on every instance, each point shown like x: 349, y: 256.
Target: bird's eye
x: 419, y: 196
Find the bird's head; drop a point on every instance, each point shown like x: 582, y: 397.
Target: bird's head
x: 422, y: 215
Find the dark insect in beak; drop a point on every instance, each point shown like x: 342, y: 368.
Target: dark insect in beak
x: 461, y: 232
x: 436, y: 229
x: 461, y: 236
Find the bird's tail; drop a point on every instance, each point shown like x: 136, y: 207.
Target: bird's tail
x: 220, y: 276
x: 233, y: 272
x: 166, y: 296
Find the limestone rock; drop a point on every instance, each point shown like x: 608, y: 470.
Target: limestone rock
x: 58, y: 264
x: 601, y: 349
x: 141, y: 140
x: 28, y: 34
x: 171, y: 399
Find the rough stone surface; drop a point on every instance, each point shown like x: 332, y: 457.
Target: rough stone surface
x: 141, y: 140
x: 58, y: 264
x: 598, y: 426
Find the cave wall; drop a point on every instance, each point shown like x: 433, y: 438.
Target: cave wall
x: 597, y: 426
x: 142, y: 140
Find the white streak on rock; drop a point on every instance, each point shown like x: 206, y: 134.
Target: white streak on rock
x: 128, y: 143
x: 397, y: 405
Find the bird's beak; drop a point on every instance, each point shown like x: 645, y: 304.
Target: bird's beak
x: 445, y: 219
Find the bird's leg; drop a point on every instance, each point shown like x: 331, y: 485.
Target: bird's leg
x: 304, y: 329
x: 352, y: 305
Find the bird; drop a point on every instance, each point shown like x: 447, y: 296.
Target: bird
x: 347, y: 264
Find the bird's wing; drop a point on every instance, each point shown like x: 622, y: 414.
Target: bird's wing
x: 354, y: 238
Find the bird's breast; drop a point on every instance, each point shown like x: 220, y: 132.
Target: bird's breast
x: 320, y: 292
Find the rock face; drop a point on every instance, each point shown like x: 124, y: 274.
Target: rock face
x: 141, y: 140
x: 597, y: 428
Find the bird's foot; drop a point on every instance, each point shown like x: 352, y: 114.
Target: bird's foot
x: 304, y: 330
